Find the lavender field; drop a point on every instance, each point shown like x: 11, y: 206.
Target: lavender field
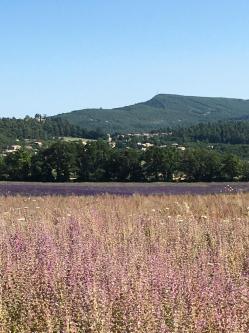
x: 124, y: 264
x: 124, y: 189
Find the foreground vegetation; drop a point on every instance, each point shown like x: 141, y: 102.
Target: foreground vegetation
x: 112, y: 264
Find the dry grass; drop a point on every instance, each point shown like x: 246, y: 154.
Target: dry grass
x: 112, y: 264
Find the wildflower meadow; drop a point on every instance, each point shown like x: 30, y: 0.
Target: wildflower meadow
x: 117, y: 264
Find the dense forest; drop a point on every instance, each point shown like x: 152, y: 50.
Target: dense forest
x: 97, y: 161
x: 230, y: 132
x: 39, y: 128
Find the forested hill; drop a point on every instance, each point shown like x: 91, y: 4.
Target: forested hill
x: 160, y: 112
x: 230, y: 132
x: 38, y: 128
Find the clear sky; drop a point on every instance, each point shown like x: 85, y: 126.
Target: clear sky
x: 61, y: 55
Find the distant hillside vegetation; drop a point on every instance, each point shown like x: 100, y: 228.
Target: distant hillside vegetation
x: 160, y: 112
x: 12, y: 129
x: 227, y: 132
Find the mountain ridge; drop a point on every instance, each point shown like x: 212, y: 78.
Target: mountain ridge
x: 161, y: 111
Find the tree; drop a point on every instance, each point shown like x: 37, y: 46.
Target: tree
x: 161, y: 163
x: 18, y: 165
x: 42, y: 167
x: 232, y: 167
x: 55, y: 163
x: 125, y: 165
x: 2, y: 169
x: 61, y: 157
x: 245, y: 171
x: 92, y: 161
x: 201, y: 165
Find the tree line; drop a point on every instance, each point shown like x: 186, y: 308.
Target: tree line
x: 228, y: 132
x: 97, y: 161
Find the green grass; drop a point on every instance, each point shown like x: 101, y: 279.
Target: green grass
x: 72, y: 139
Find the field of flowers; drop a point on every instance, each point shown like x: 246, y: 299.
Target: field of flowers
x: 124, y: 264
x: 124, y: 189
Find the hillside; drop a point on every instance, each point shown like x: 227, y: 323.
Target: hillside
x: 227, y: 132
x: 12, y: 129
x: 160, y: 112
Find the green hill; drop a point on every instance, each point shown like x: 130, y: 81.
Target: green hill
x: 12, y: 129
x: 161, y: 111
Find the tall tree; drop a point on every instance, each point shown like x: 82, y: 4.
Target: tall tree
x: 18, y: 165
x: 92, y: 161
x: 161, y: 163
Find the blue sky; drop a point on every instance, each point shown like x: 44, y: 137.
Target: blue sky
x: 61, y: 55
